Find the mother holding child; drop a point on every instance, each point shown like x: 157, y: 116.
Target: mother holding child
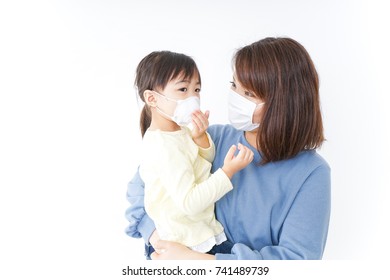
x: 270, y: 188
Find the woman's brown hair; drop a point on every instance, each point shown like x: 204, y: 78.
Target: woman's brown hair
x: 281, y: 73
x: 155, y: 71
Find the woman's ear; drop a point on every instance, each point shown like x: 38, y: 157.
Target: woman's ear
x: 150, y: 98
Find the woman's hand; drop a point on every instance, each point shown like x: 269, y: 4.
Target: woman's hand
x: 167, y: 250
x: 154, y: 238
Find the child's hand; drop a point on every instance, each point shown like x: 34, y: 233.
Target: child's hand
x: 200, y: 122
x: 233, y: 164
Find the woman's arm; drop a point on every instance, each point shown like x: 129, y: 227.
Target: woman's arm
x: 140, y: 224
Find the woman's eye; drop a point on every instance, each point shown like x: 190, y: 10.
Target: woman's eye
x: 249, y: 94
x: 233, y: 84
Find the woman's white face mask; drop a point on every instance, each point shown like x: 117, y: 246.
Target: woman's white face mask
x: 184, y: 109
x: 240, y: 112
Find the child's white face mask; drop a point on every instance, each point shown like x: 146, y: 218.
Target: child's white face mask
x: 241, y: 112
x: 184, y: 109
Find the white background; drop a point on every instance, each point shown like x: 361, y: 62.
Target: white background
x: 69, y: 117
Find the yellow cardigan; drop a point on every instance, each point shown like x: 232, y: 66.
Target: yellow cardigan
x: 180, y: 192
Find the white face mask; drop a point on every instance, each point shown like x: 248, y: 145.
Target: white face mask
x: 184, y: 109
x: 241, y: 112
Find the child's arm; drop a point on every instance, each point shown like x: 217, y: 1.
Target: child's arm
x: 200, y: 121
x: 179, y: 181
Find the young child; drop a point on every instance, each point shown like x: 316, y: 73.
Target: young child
x: 180, y: 192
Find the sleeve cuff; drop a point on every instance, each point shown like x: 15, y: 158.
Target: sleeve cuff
x: 208, y: 153
x: 223, y: 177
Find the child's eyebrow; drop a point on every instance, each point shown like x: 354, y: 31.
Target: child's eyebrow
x: 186, y: 81
x: 182, y: 81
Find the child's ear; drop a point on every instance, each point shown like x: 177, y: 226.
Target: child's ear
x: 150, y: 98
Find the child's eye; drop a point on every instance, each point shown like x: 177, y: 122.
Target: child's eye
x: 183, y: 89
x: 197, y: 90
x: 233, y: 84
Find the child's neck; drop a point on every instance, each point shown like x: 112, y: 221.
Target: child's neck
x: 160, y: 123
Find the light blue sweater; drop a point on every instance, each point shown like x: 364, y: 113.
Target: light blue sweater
x: 280, y: 210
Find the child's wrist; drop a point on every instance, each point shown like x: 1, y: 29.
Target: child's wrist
x: 202, y: 141
x: 227, y: 171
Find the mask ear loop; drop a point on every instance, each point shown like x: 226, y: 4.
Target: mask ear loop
x: 159, y: 110
x: 166, y: 97
x: 257, y: 105
x: 260, y: 104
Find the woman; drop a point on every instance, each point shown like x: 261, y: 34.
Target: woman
x: 279, y: 207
